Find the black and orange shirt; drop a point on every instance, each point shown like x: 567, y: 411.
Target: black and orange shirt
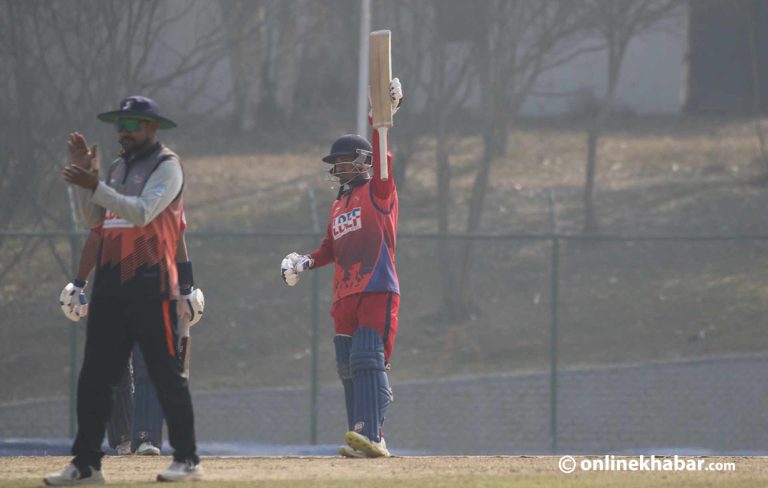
x: 139, y: 207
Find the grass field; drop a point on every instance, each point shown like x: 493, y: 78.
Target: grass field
x: 321, y: 472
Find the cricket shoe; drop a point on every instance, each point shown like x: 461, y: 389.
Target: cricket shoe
x: 71, y: 475
x: 124, y: 448
x: 348, y: 452
x: 147, y: 449
x: 177, y: 471
x: 372, y: 449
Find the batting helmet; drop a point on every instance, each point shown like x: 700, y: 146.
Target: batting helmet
x: 348, y: 145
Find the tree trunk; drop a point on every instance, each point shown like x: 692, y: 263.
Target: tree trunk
x: 590, y: 221
x: 477, y: 199
x: 451, y: 302
x: 494, y: 139
x: 244, y: 47
x: 616, y: 50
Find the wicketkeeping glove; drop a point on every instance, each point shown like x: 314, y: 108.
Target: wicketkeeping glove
x: 192, y: 304
x: 292, y: 265
x: 73, y: 302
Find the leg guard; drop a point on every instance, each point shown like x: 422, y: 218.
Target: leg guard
x: 120, y: 425
x: 371, y: 386
x: 148, y: 422
x: 343, y: 345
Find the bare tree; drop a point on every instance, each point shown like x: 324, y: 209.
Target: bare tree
x: 521, y: 41
x: 496, y: 49
x: 412, y: 44
x: 448, y: 79
x: 749, y: 13
x: 62, y: 62
x: 243, y: 23
x: 616, y: 23
x: 265, y: 42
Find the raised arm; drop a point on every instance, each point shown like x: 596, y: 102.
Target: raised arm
x: 86, y: 159
x: 381, y: 189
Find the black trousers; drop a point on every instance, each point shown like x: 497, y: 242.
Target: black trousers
x: 114, y: 325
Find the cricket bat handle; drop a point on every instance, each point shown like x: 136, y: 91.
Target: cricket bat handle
x: 185, y: 343
x: 383, y: 163
x: 184, y: 350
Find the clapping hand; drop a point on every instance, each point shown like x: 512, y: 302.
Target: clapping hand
x: 80, y: 154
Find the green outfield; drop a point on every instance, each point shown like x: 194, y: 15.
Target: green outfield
x: 423, y: 472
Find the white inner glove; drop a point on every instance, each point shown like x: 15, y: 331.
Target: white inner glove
x: 191, y: 306
x: 73, y: 302
x: 395, y: 94
x: 292, y: 265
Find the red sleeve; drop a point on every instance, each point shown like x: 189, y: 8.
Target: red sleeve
x: 323, y: 254
x: 382, y: 190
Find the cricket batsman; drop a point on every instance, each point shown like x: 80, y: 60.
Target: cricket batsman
x: 360, y: 241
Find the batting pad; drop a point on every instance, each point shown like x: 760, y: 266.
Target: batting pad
x: 343, y: 345
x: 371, y: 385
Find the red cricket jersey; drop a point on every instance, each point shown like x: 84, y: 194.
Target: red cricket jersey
x: 362, y: 234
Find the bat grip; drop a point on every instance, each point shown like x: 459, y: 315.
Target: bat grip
x: 383, y: 163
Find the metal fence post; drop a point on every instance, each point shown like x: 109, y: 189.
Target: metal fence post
x: 74, y: 243
x: 315, y: 346
x: 554, y: 324
x: 314, y: 387
x: 553, y: 340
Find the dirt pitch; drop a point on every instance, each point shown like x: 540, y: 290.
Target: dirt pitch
x: 476, y: 471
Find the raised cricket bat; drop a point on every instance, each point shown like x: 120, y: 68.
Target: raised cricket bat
x: 381, y: 104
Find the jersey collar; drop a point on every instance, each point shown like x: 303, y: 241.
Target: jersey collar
x: 347, y: 188
x: 141, y: 152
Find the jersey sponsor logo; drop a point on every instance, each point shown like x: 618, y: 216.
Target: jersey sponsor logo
x: 114, y: 221
x: 347, y: 222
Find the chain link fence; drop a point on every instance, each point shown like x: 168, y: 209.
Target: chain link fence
x: 569, y: 344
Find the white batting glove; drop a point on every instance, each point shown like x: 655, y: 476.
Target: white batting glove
x: 395, y: 94
x: 191, y: 305
x: 73, y: 302
x: 292, y: 265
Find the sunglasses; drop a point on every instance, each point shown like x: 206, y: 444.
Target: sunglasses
x: 128, y: 125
